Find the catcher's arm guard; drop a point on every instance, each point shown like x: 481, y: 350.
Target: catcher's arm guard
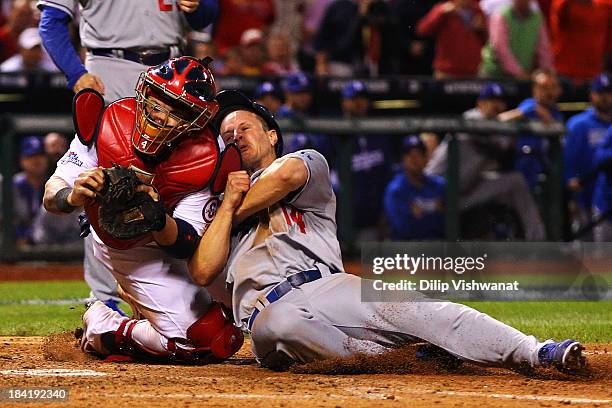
x: 125, y: 213
x: 87, y: 109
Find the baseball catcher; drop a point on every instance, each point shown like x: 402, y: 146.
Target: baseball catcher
x: 147, y: 171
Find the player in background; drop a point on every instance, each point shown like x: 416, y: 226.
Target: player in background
x: 585, y: 132
x: 531, y: 150
x: 602, y: 195
x: 279, y: 247
x: 122, y: 39
x: 414, y: 201
x: 483, y: 178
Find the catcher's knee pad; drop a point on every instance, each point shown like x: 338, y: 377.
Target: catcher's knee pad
x: 216, y: 333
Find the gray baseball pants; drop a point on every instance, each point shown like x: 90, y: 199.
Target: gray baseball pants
x: 326, y: 318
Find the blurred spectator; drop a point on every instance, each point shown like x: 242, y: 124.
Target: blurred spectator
x: 23, y: 15
x: 356, y: 38
x: 518, y: 43
x: 289, y: 20
x: 298, y: 101
x: 581, y: 35
x: 281, y: 60
x: 414, y: 201
x: 252, y: 51
x: 56, y: 145
x: 585, y: 132
x: 490, y: 7
x: 416, y: 53
x: 232, y: 63
x: 531, y: 150
x: 602, y: 195
x: 451, y: 23
x: 269, y: 95
x: 371, y: 160
x: 238, y: 16
x: 29, y: 187
x: 31, y: 56
x: 335, y: 39
x: 201, y: 45
x: 314, y: 10
x: 481, y: 164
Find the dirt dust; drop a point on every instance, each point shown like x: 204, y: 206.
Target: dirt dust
x: 396, y: 379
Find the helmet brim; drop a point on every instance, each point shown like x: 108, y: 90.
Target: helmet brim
x: 232, y: 100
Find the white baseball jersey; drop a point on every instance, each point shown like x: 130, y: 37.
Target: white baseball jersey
x: 159, y: 285
x: 302, y: 234
x: 125, y: 24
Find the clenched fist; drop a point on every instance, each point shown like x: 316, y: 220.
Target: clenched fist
x: 238, y: 183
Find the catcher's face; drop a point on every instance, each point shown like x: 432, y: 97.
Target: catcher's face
x: 252, y: 136
x: 159, y: 122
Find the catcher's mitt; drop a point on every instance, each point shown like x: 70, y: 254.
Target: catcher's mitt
x: 125, y: 213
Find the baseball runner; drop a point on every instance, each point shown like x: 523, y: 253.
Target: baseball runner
x: 284, y: 265
x: 123, y: 38
x: 160, y: 137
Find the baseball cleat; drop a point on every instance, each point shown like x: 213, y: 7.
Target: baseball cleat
x: 566, y: 355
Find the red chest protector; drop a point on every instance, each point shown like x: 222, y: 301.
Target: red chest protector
x: 192, y: 165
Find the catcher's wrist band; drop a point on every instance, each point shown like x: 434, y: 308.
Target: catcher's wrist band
x: 61, y: 200
x: 187, y: 240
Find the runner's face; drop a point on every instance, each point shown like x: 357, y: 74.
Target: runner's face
x: 255, y: 141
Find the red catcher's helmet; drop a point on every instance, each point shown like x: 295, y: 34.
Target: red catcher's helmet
x: 173, y: 98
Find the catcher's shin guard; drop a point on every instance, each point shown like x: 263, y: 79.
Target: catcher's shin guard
x: 215, y: 333
x: 123, y: 342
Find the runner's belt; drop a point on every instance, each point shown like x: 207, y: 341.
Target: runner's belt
x: 293, y: 281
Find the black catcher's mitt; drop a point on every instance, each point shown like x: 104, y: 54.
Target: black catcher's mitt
x: 124, y: 212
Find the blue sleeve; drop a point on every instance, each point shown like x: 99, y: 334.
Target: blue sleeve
x: 603, y: 153
x: 206, y: 14
x: 527, y: 106
x: 574, y: 150
x: 394, y: 211
x: 54, y: 33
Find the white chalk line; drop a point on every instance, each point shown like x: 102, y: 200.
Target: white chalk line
x: 54, y: 372
x: 44, y: 302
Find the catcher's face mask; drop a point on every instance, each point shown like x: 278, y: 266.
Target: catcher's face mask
x: 173, y: 98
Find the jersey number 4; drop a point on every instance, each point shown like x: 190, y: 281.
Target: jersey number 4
x: 165, y: 5
x: 294, y: 216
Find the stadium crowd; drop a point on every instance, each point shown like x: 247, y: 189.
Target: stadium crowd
x: 399, y: 188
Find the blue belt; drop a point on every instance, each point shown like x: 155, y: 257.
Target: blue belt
x: 293, y: 281
x: 146, y: 57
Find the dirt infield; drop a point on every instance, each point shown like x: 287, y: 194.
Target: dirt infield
x: 240, y: 382
x: 39, y: 271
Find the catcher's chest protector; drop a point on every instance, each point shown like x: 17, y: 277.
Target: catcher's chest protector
x: 189, y: 167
